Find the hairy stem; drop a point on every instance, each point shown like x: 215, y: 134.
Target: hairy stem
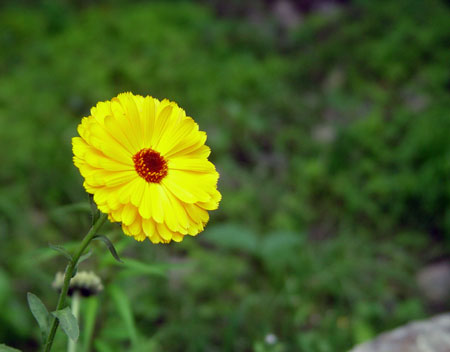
x: 76, y: 299
x: 68, y: 275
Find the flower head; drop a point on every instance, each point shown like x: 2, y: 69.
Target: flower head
x: 146, y: 163
x: 85, y: 282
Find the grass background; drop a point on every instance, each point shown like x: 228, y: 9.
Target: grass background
x: 331, y: 137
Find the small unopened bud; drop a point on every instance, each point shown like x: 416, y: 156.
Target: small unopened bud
x: 84, y: 282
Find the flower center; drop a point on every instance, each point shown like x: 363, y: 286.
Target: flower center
x: 150, y: 165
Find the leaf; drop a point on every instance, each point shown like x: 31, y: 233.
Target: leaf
x: 40, y: 313
x: 136, y: 267
x: 84, y: 257
x: 102, y: 346
x: 60, y: 250
x: 110, y: 246
x: 282, y: 240
x: 233, y: 237
x: 68, y: 322
x: 4, y: 348
x: 124, y: 308
x: 362, y: 331
x: 279, y: 247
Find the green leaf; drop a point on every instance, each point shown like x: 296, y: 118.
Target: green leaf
x: 123, y: 306
x: 135, y: 267
x: 84, y: 257
x: 233, y: 237
x: 102, y: 346
x: 60, y: 250
x: 110, y: 246
x: 4, y: 348
x: 68, y: 322
x: 362, y: 331
x: 40, y: 313
x: 281, y: 247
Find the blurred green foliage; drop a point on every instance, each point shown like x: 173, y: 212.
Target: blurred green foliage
x: 332, y: 143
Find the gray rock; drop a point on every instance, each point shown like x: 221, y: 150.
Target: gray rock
x: 434, y: 283
x: 432, y: 335
x: 286, y: 14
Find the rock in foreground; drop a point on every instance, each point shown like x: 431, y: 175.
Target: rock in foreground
x: 432, y: 335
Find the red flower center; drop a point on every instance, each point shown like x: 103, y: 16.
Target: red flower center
x: 150, y: 165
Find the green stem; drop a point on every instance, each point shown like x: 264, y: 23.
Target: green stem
x: 76, y: 298
x: 68, y: 275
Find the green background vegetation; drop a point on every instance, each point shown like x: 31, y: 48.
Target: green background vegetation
x: 331, y: 137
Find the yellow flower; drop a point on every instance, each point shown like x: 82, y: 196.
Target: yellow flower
x: 146, y: 163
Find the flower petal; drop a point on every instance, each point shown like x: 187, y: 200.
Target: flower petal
x: 191, y: 164
x: 190, y: 187
x: 129, y: 213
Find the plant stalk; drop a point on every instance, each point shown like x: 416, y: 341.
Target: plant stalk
x: 68, y: 275
x: 76, y: 299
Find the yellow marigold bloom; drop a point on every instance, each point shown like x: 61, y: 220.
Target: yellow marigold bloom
x: 146, y: 163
